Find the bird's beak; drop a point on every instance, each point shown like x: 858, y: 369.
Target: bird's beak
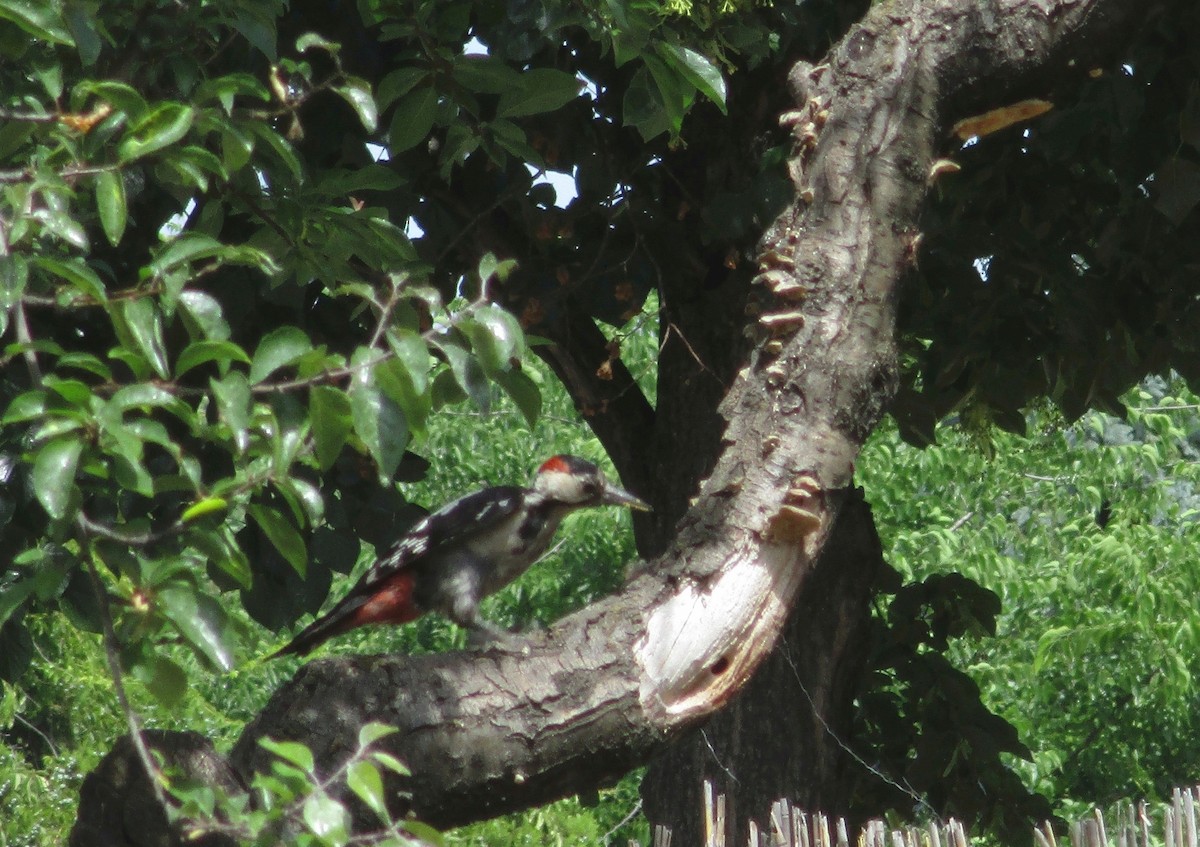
x: 616, y: 496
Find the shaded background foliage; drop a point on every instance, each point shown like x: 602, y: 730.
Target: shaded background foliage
x: 1060, y: 262
x: 244, y: 252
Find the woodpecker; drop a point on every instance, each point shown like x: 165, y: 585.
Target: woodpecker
x: 449, y: 561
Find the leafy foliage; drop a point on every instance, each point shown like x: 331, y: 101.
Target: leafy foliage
x: 1056, y: 263
x: 221, y: 336
x: 1084, y: 534
x: 222, y: 333
x: 293, y: 802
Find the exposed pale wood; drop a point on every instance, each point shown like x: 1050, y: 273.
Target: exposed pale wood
x: 1189, y: 808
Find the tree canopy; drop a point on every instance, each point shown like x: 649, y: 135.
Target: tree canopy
x: 250, y: 251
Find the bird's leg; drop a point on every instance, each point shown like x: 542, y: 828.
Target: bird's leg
x: 482, y: 634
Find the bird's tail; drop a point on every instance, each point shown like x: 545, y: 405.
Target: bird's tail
x: 316, y: 634
x: 388, y: 600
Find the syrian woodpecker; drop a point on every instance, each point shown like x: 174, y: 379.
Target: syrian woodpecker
x: 465, y: 551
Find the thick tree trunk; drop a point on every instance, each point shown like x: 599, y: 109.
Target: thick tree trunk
x: 607, y: 687
x: 784, y: 733
x: 867, y: 127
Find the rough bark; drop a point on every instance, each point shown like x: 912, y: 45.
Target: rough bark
x: 602, y: 690
x: 117, y: 805
x: 783, y: 735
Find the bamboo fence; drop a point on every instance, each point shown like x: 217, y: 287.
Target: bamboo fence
x: 1171, y: 824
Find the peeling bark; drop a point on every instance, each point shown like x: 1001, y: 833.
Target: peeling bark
x: 605, y: 688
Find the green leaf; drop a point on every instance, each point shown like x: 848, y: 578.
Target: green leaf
x: 279, y: 146
x: 199, y: 352
x: 524, y: 392
x: 327, y: 819
x: 163, y: 126
x: 77, y: 274
x: 204, y: 315
x: 13, y: 596
x: 184, y: 249
x: 381, y: 425
x: 144, y: 322
x: 372, y: 732
x: 72, y: 390
x: 1046, y: 643
x: 14, y: 275
x: 203, y: 507
x: 290, y: 751
x: 391, y: 763
x: 424, y: 833
x: 56, y: 427
x: 85, y: 362
x: 496, y: 337
x: 397, y: 84
x: 364, y: 780
x: 357, y: 92
x: 54, y: 475
x: 43, y: 20
x: 147, y: 396
x: 467, y: 373
x: 129, y: 471
x: 329, y: 409
x: 283, y: 535
x: 57, y: 219
x: 374, y: 177
x: 81, y: 20
x: 490, y: 266
x: 396, y: 382
x: 306, y: 499
x: 413, y: 119
x: 163, y: 678
x: 110, y: 203
x: 486, y: 74
x: 233, y: 404
x: 201, y: 620
x: 219, y: 547
x: 225, y: 89
x: 195, y: 166
x: 25, y: 407
x: 698, y: 71
x: 280, y: 347
x: 413, y: 354
x: 677, y: 95
x: 119, y: 95
x: 643, y: 107
x: 257, y: 26
x: 236, y: 147
x: 309, y: 40
x: 542, y: 90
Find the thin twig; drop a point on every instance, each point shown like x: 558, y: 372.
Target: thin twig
x: 385, y: 313
x: 28, y: 117
x: 143, y: 539
x: 904, y: 787
x: 672, y: 328
x: 633, y: 813
x: 25, y: 338
x: 26, y: 175
x: 49, y: 743
x: 114, y: 668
